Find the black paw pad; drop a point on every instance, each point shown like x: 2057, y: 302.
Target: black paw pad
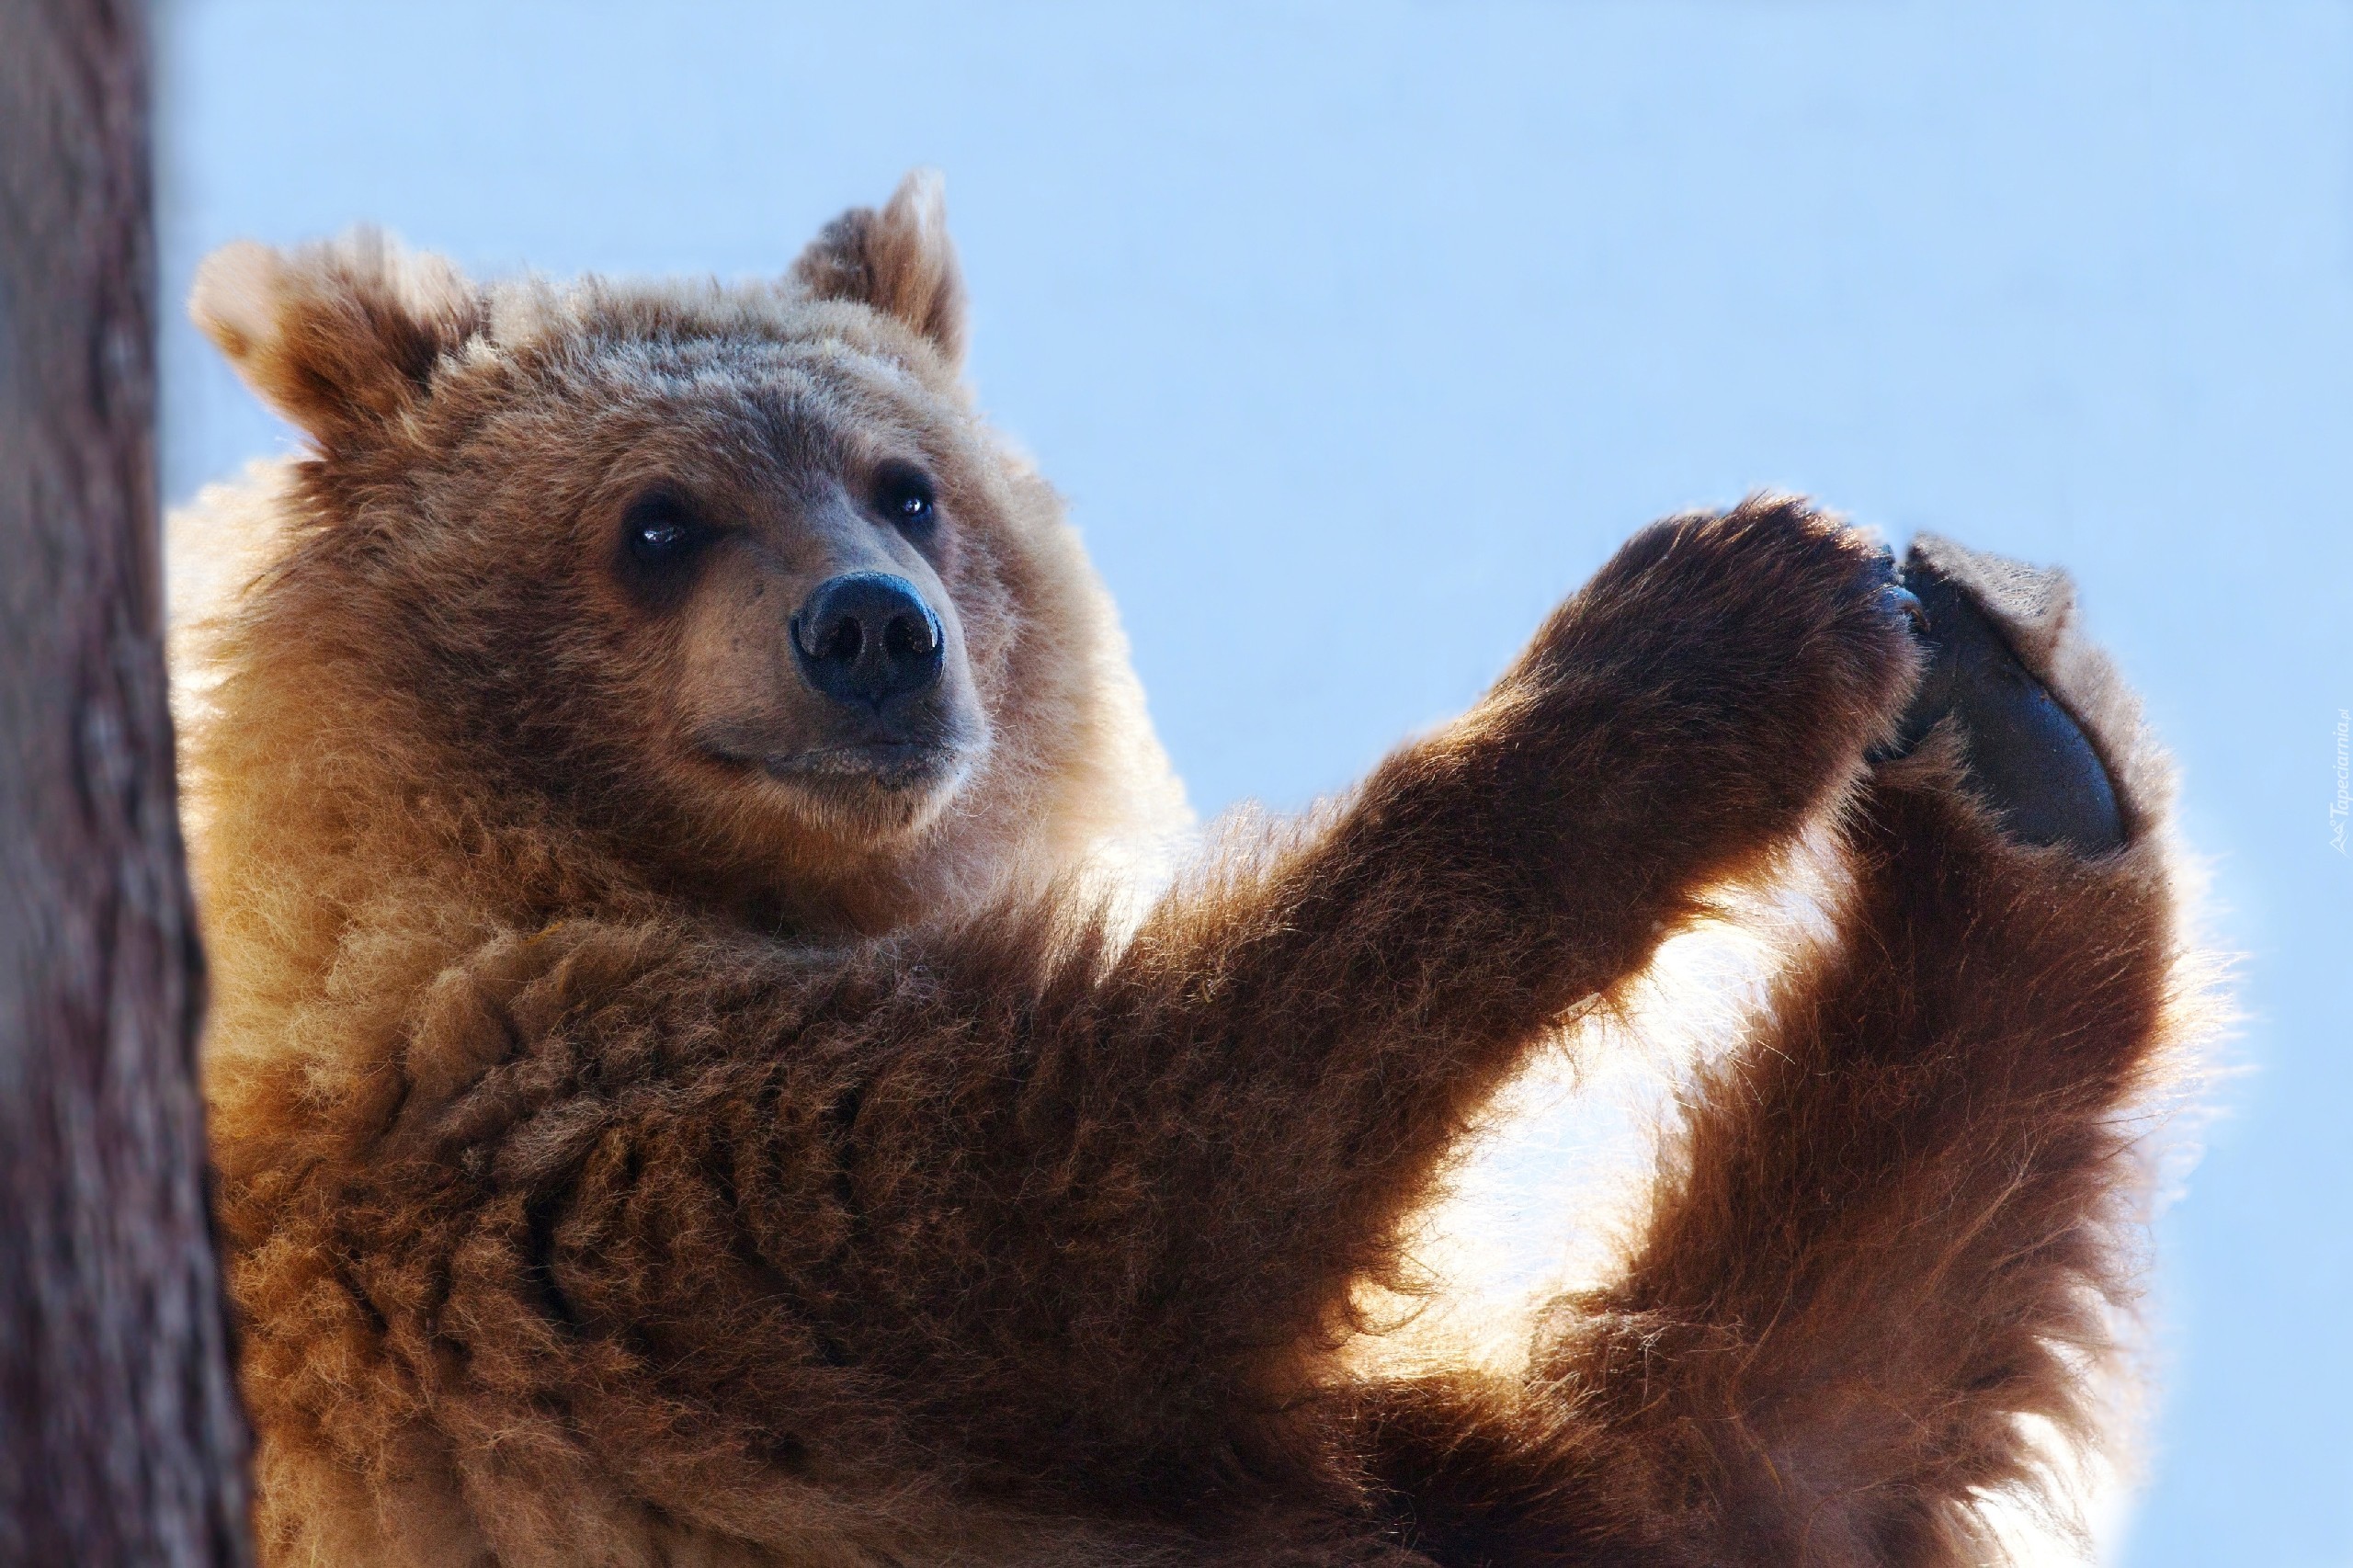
x: 2027, y: 756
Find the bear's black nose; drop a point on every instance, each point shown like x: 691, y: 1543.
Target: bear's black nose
x: 866, y: 637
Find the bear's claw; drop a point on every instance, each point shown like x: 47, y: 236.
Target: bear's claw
x: 2027, y: 756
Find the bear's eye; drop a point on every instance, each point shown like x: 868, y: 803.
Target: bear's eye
x: 659, y: 530
x: 903, y: 494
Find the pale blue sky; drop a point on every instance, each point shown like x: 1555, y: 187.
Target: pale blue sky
x: 1358, y: 333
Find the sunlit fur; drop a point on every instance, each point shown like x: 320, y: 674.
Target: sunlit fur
x: 627, y: 1160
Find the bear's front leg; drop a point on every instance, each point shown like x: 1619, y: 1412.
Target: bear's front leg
x: 1239, y: 1110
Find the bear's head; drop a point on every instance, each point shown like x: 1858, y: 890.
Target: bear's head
x: 727, y: 587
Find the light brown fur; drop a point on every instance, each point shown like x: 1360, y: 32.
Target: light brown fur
x: 632, y: 1156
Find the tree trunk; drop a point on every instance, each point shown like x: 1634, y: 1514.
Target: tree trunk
x: 120, y: 1439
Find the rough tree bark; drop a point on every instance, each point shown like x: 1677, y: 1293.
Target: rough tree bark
x: 120, y: 1439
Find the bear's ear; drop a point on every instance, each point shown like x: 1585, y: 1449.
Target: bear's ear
x: 340, y: 338
x: 899, y: 260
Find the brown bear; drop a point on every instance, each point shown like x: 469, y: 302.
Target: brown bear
x: 693, y: 1082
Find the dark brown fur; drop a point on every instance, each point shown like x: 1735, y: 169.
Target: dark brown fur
x: 622, y: 1168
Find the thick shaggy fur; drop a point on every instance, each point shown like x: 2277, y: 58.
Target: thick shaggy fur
x: 626, y: 1161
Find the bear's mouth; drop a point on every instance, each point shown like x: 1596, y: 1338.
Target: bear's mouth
x: 914, y: 767
x: 871, y: 791
x: 875, y: 781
